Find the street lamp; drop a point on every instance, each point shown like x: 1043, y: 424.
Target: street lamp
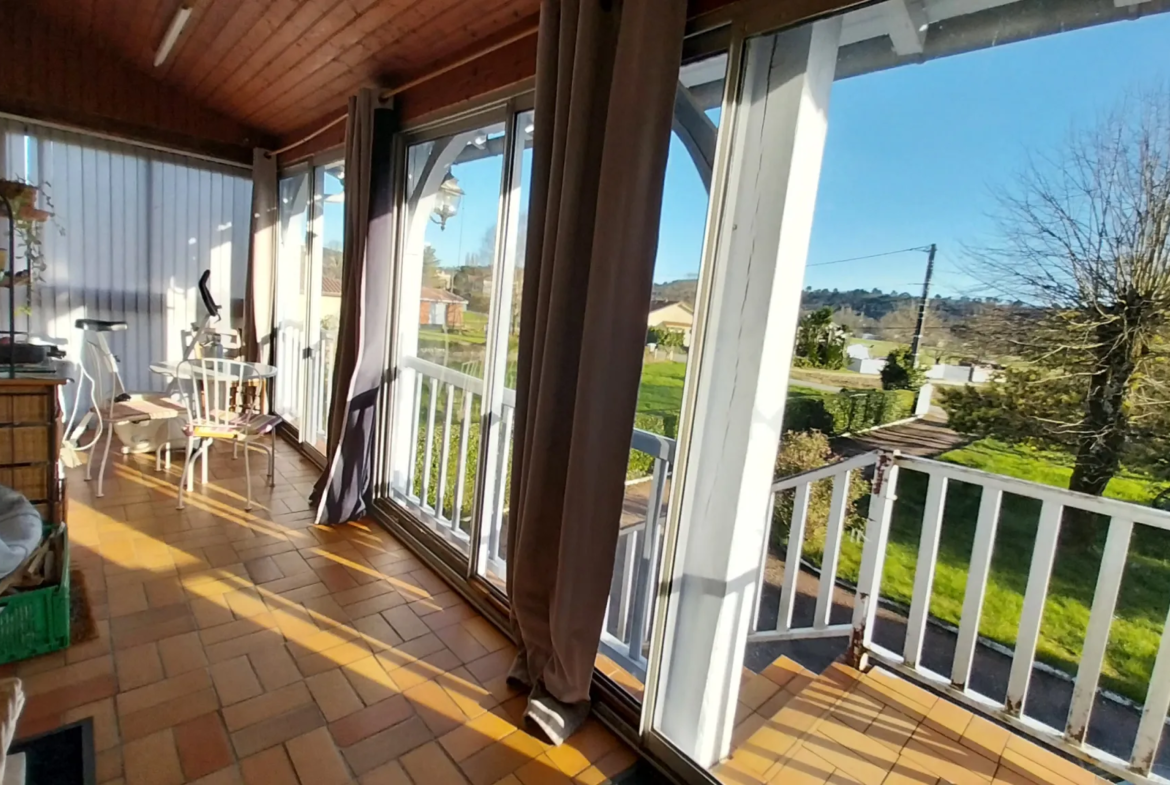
x: 447, y: 201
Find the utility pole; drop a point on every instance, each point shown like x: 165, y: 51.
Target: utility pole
x: 916, y: 342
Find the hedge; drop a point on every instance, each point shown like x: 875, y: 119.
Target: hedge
x: 848, y: 411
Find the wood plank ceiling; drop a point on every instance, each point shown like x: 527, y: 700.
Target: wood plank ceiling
x: 280, y: 65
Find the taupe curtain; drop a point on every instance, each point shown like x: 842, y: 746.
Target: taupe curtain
x: 605, y: 89
x: 260, y: 286
x: 342, y: 492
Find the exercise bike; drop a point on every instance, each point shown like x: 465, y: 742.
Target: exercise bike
x: 145, y: 421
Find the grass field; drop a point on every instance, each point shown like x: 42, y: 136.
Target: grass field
x: 1145, y: 591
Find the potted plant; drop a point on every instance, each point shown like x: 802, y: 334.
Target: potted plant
x: 29, y: 223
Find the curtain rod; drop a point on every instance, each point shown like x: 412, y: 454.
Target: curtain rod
x: 392, y: 91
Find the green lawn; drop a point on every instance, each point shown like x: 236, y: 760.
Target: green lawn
x: 1145, y: 590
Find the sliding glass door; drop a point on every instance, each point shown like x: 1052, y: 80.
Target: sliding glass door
x: 308, y: 297
x: 456, y: 320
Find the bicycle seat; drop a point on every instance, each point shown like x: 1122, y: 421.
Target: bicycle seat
x: 98, y: 325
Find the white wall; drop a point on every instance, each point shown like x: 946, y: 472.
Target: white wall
x: 133, y: 230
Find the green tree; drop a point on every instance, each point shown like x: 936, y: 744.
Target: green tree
x: 820, y: 342
x: 900, y: 371
x: 1083, y: 242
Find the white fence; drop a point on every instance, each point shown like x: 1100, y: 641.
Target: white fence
x: 1123, y: 517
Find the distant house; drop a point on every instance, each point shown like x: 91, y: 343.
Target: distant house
x: 672, y: 316
x: 440, y: 309
x: 857, y: 351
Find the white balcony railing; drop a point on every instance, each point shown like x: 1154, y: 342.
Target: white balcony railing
x: 625, y: 636
x: 304, y: 381
x: 1123, y: 517
x: 439, y: 433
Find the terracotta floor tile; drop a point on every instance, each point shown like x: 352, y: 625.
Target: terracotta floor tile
x: 108, y: 765
x: 316, y: 760
x: 235, y: 680
x: 275, y: 667
x: 373, y: 719
x: 56, y: 678
x: 435, y: 706
x: 390, y: 773
x: 162, y: 691
x: 334, y: 695
x: 181, y: 653
x: 501, y: 758
x: 473, y: 736
x: 229, y: 776
x: 277, y: 730
x: 459, y: 640
x: 486, y: 633
x: 168, y: 714
x: 152, y: 760
x: 406, y: 623
x: 263, y: 570
x: 377, y: 604
x: 266, y: 706
x: 56, y: 702
x: 589, y: 744
x: 203, y: 746
x: 371, y: 681
x: 430, y: 764
x: 270, y: 767
x: 387, y: 745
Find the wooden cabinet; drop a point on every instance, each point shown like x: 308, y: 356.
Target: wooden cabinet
x: 30, y: 442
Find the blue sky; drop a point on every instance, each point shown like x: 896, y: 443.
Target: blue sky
x: 911, y: 155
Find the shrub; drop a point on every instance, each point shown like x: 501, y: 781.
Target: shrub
x: 802, y: 452
x: 848, y: 411
x: 901, y: 372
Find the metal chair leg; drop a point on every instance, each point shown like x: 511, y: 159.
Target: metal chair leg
x: 189, y: 478
x: 272, y: 463
x: 185, y: 477
x: 248, y: 474
x: 105, y: 455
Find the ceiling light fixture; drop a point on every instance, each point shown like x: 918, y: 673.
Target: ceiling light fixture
x: 168, y: 42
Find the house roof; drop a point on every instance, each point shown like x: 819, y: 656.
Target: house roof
x: 430, y: 295
x: 331, y: 287
x: 659, y: 305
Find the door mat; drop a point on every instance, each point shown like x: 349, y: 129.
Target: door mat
x: 81, y: 624
x: 60, y: 757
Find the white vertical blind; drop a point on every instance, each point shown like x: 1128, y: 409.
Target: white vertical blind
x: 133, y: 230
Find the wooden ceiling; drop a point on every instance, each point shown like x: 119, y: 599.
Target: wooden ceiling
x: 282, y: 65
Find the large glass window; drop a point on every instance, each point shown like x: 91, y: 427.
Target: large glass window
x: 942, y: 381
x: 447, y: 396
x: 625, y: 637
x: 308, y: 297
x: 292, y: 262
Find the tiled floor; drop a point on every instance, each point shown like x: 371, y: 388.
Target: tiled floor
x: 256, y: 648
x: 844, y: 728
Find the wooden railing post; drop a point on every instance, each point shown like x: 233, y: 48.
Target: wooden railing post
x: 873, y: 558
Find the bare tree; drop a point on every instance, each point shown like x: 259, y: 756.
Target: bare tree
x: 1083, y: 242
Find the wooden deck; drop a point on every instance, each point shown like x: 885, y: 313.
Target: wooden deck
x: 845, y: 727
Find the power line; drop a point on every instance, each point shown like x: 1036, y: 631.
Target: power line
x: 921, y: 249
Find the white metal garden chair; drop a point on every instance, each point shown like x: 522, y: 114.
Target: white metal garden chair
x: 219, y: 407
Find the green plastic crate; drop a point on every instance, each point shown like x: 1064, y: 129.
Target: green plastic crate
x: 36, y: 622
